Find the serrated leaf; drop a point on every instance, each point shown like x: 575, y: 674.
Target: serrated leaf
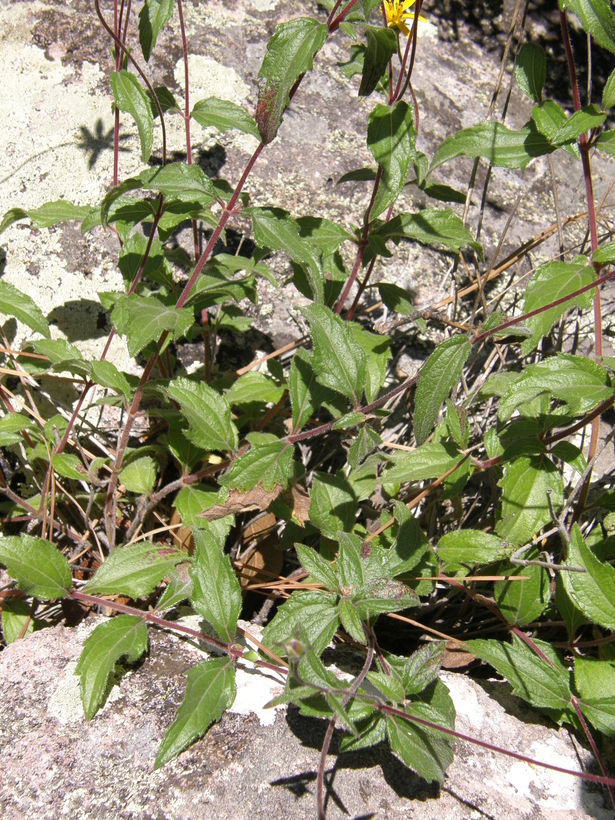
x: 578, y: 123
x: 551, y: 282
x: 270, y: 465
x: 595, y: 682
x: 178, y: 180
x: 371, y: 732
x: 11, y: 427
x: 427, y: 461
x: 333, y: 504
x: 153, y: 17
x: 592, y: 591
x: 432, y: 226
x: 69, y: 465
x: 597, y: 19
x: 319, y: 569
x: 312, y: 614
x: 421, y: 669
x: 131, y: 98
x: 15, y: 303
x: 107, y: 375
x: 223, y: 115
x: 47, y: 215
x: 62, y: 355
x: 135, y: 570
x: 351, y: 620
x: 471, y: 547
x: 381, y: 46
x: 208, y: 415
x: 17, y: 620
x: 525, y: 486
x: 290, y: 53
x: 143, y: 319
x: 396, y: 299
x: 384, y: 595
x: 139, y: 476
x: 38, y: 566
x: 389, y: 684
x: 216, y: 593
x: 178, y: 588
x: 191, y: 501
x: 531, y: 70
x: 606, y: 141
x: 531, y: 678
x: 123, y: 636
x: 306, y: 394
x: 437, y: 378
x: 391, y: 137
x: 377, y: 354
x: 500, y: 145
x: 210, y: 691
x: 608, y: 92
x: 339, y: 361
x: 522, y: 602
x: 254, y: 387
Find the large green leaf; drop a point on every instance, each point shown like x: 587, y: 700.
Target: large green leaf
x: 312, y: 614
x: 15, y: 303
x: 333, y: 504
x: 306, y: 394
x: 532, y: 678
x: 223, y: 115
x: 135, y: 570
x: 153, y: 17
x: 208, y: 414
x: 531, y: 70
x: 471, y: 547
x: 522, y: 602
x: 597, y: 19
x: 525, y: 487
x: 47, y: 215
x: 595, y: 682
x: 390, y: 137
x: 290, y: 53
x: 339, y: 361
x: 139, y: 475
x: 428, y: 461
x: 381, y: 46
x: 496, y: 143
x: 431, y: 226
x: 39, y: 568
x: 143, y: 319
x: 593, y: 590
x: 125, y: 635
x: 254, y: 387
x: 184, y: 182
x: 216, y: 594
x: 377, y: 354
x: 437, y: 378
x: 210, y: 691
x: 131, y: 98
x: 320, y: 570
x: 107, y: 375
x: 269, y: 464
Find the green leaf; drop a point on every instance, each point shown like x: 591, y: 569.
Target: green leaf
x: 597, y: 19
x: 428, y: 461
x: 11, y: 427
x: 139, y: 476
x: 578, y: 123
x: 125, y: 635
x: 135, y: 570
x: 351, y: 620
x: 153, y: 17
x: 143, y: 319
x: 606, y: 141
x: 339, y: 361
x: 270, y: 465
x: 107, y: 375
x: 381, y: 46
x: 525, y: 510
x: 500, y: 145
x: 38, y: 567
x: 531, y: 678
x: 396, y: 299
x: 548, y: 118
x: 290, y: 53
x: 333, y: 504
x: 319, y: 569
x: 208, y: 415
x: 437, y: 378
x: 531, y: 70
x: 130, y: 97
x: 306, y: 394
x: 384, y: 595
x: 377, y: 354
x: 551, y: 282
x: 132, y: 254
x: 390, y: 138
x: 431, y: 226
x: 594, y: 680
x: 223, y: 115
x: 210, y: 691
x: 592, y: 591
x: 522, y: 602
x: 254, y: 387
x: 216, y: 594
x: 178, y: 180
x: 68, y: 465
x: 421, y: 669
x: 605, y: 253
x: 47, y: 215
x: 608, y: 92
x: 17, y: 620
x: 15, y: 303
x: 61, y: 354
x: 310, y: 613
x: 191, y: 501
x: 471, y: 547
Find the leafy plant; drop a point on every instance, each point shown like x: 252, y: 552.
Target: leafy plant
x: 486, y: 500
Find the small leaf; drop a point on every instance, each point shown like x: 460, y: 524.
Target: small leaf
x: 351, y: 620
x: 153, y: 17
x: 578, y: 123
x: 269, y: 465
x: 312, y: 614
x: 39, y: 568
x: 531, y: 70
x: 290, y: 53
x: 319, y: 569
x: 11, y: 427
x: 431, y: 226
x: 47, y: 215
x: 421, y: 669
x: 210, y: 691
x: 606, y: 141
x: 596, y: 17
x: 216, y: 594
x: 471, y: 547
x: 17, y: 620
x: 306, y: 394
x: 207, y: 412
x: 339, y: 360
x: 254, y: 387
x: 224, y: 115
x: 131, y: 98
x: 396, y: 299
x: 333, y: 504
x: 135, y: 570
x: 377, y: 354
x: 143, y: 319
x: 125, y: 635
x: 107, y: 375
x: 178, y: 180
x: 390, y: 137
x: 381, y: 46
x: 595, y: 682
x: 608, y: 92
x: 437, y: 378
x: 68, y: 465
x: 427, y: 461
x: 525, y: 510
x: 139, y: 476
x: 522, y: 602
x: 592, y: 591
x: 15, y: 303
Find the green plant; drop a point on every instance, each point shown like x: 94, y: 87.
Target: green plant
x: 499, y: 401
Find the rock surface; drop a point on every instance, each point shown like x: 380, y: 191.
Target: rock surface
x: 254, y: 763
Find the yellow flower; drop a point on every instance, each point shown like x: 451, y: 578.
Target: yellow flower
x: 397, y: 13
